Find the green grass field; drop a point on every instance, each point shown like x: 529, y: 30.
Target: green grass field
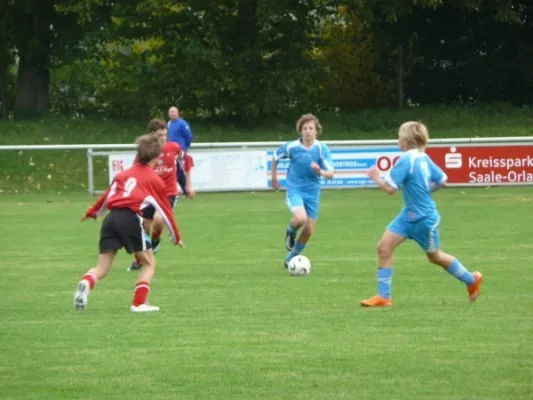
x: 234, y: 325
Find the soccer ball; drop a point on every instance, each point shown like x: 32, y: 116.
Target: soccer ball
x: 299, y: 266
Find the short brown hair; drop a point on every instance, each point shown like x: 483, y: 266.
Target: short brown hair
x: 304, y: 119
x: 148, y: 148
x: 156, y: 124
x: 415, y: 134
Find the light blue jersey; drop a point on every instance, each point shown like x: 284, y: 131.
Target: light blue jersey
x: 303, y: 184
x: 419, y: 220
x: 300, y: 176
x: 413, y: 173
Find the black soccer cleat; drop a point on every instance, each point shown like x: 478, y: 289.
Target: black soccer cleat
x: 155, y: 245
x: 286, y: 264
x: 290, y: 239
x: 134, y: 266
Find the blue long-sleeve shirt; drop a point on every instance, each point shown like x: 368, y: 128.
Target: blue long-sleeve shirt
x: 179, y: 132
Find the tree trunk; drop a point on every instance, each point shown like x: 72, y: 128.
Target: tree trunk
x: 3, y: 91
x: 401, y: 94
x: 5, y: 61
x: 33, y: 81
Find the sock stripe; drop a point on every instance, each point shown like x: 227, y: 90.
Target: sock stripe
x: 385, y: 282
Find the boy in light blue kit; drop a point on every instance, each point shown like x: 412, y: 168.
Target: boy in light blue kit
x: 309, y: 161
x: 418, y: 176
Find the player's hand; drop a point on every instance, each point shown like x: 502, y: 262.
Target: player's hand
x: 374, y: 173
x: 315, y: 167
x: 190, y: 193
x: 180, y: 243
x: 275, y: 184
x: 87, y: 216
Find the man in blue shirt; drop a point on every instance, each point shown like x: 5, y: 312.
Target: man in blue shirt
x: 418, y: 176
x: 179, y: 132
x: 310, y: 160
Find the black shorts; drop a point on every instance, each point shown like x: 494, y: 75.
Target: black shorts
x: 148, y: 212
x: 123, y: 228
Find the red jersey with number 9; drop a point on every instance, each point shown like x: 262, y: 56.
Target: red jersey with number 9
x: 137, y: 188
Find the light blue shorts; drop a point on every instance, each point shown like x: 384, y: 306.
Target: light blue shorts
x: 424, y: 231
x: 310, y: 201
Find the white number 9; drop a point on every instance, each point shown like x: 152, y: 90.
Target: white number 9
x: 129, y: 186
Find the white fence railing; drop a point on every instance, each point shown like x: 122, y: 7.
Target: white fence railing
x: 235, y: 166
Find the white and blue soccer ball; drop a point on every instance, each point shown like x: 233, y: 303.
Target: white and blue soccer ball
x: 299, y: 266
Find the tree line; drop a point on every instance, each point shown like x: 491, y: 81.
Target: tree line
x: 256, y: 58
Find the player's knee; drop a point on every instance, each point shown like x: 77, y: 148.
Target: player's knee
x: 434, y: 257
x: 384, y: 248
x: 158, y: 219
x: 149, y: 264
x: 300, y: 219
x: 147, y: 260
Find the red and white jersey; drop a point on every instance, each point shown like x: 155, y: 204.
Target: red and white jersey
x: 137, y: 188
x: 166, y: 166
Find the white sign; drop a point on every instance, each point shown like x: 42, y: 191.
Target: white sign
x: 230, y: 170
x: 118, y: 162
x: 213, y: 170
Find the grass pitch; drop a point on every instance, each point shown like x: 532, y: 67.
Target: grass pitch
x: 234, y: 325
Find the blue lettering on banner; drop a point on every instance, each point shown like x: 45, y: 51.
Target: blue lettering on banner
x: 351, y: 166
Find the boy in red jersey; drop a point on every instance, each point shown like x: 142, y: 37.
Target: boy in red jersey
x: 132, y: 191
x: 166, y: 169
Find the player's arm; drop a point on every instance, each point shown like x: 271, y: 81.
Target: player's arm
x: 438, y: 177
x: 281, y: 153
x: 98, y: 208
x: 188, y: 163
x: 394, y: 180
x: 326, y: 168
x: 187, y: 134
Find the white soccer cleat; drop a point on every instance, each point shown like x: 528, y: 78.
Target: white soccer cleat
x: 81, y: 296
x: 144, y: 308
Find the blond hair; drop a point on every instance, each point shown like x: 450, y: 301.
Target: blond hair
x: 414, y: 133
x: 148, y: 148
x: 304, y: 119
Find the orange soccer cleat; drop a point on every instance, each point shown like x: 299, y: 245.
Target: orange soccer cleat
x: 376, y: 301
x: 474, y: 288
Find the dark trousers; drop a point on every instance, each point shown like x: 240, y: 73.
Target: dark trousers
x: 182, y: 179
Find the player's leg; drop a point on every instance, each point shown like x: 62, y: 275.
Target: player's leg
x: 395, y: 234
x: 88, y: 281
x: 142, y: 287
x: 157, y: 229
x: 426, y: 234
x: 181, y: 177
x: 296, y: 206
x: 108, y: 245
x: 148, y: 220
x: 158, y: 226
x: 136, y: 241
x: 302, y: 241
x: 311, y: 206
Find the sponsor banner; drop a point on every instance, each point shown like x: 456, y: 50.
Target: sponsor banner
x: 468, y: 165
x: 485, y: 165
x: 351, y: 166
x: 214, y: 170
x: 118, y: 162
